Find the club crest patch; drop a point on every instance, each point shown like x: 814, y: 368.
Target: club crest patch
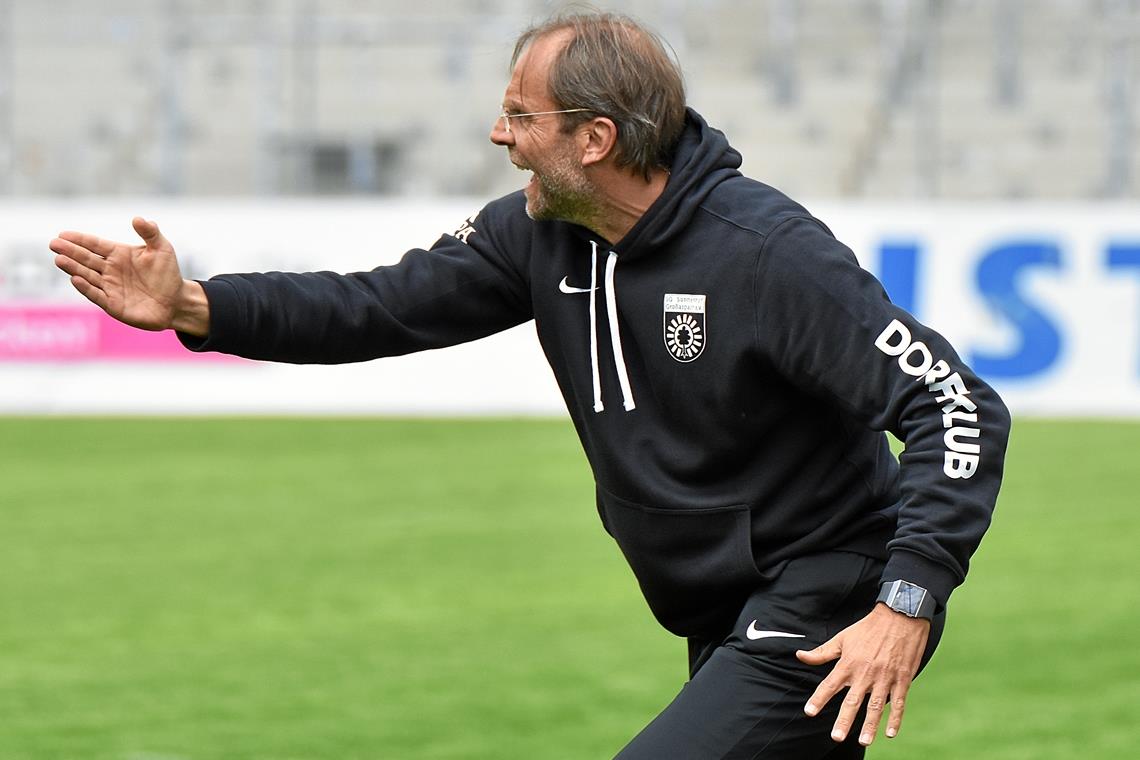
x: 686, y: 332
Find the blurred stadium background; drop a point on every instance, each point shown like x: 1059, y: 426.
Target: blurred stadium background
x: 962, y: 99
x: 227, y: 584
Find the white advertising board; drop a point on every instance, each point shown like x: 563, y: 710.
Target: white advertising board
x: 1043, y: 300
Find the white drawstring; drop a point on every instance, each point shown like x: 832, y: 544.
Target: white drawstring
x: 598, y: 406
x: 615, y: 335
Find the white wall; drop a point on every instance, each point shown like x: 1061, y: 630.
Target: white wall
x: 1043, y: 299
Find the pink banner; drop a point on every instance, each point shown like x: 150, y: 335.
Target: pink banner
x: 83, y: 333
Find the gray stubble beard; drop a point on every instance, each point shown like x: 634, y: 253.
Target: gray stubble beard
x: 564, y: 194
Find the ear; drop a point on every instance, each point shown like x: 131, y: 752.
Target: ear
x: 597, y: 139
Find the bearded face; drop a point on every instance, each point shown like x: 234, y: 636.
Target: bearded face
x: 559, y: 189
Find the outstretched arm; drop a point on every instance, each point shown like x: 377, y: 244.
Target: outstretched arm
x: 139, y: 285
x: 459, y: 290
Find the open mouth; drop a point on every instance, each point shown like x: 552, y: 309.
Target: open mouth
x: 533, y: 175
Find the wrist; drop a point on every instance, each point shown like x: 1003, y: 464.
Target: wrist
x: 191, y: 312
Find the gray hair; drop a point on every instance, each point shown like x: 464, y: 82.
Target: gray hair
x: 613, y: 66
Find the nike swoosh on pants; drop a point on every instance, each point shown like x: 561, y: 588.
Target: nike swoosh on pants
x: 753, y: 633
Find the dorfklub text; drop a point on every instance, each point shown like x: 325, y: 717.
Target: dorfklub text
x: 916, y: 360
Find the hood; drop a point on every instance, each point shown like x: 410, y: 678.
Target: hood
x: 704, y: 159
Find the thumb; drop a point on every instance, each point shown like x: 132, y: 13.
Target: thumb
x: 825, y: 652
x: 148, y: 231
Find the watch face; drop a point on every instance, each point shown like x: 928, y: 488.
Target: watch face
x: 908, y: 598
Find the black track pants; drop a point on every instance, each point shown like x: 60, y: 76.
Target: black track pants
x: 747, y: 690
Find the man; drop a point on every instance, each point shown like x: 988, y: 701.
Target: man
x: 728, y: 367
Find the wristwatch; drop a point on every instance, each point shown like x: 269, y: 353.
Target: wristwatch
x: 909, y: 599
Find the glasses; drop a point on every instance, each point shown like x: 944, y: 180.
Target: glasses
x: 505, y: 118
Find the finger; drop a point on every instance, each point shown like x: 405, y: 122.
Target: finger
x: 898, y: 705
x: 90, y: 292
x: 75, y: 269
x: 875, y: 706
x: 78, y: 253
x: 149, y: 232
x: 823, y: 693
x: 848, y: 712
x: 93, y: 243
x: 825, y: 652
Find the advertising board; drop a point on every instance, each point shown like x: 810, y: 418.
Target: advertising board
x: 1043, y: 300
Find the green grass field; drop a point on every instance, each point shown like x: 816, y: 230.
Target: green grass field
x: 271, y: 589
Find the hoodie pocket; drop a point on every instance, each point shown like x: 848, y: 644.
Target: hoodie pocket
x: 695, y: 566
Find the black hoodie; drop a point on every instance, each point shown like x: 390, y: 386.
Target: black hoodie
x: 728, y: 366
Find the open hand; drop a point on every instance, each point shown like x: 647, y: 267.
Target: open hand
x: 878, y: 656
x: 140, y: 285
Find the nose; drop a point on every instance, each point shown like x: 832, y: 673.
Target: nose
x: 499, y: 134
